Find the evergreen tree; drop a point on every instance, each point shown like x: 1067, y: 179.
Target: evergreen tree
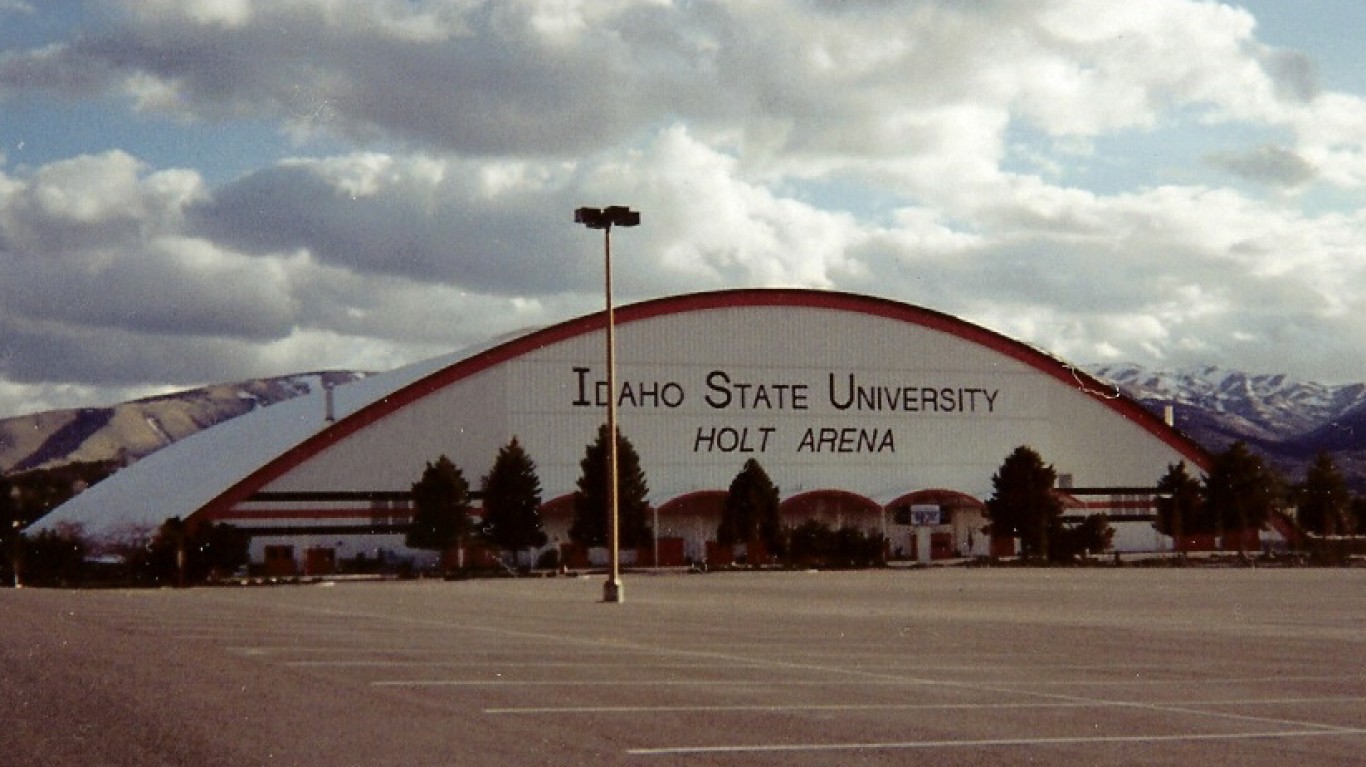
x: 1324, y: 501
x: 1240, y: 492
x: 441, y: 508
x: 54, y: 557
x: 164, y: 560
x: 512, y: 500
x: 182, y: 553
x: 218, y: 549
x: 1180, y: 504
x: 750, y: 514
x: 11, y: 535
x: 1023, y: 503
x: 9, y: 510
x: 591, y: 499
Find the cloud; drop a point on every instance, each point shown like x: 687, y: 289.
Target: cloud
x: 493, y: 226
x: 90, y: 200
x: 488, y: 227
x: 1331, y: 138
x: 899, y: 96
x: 96, y: 241
x: 1292, y: 73
x: 551, y: 79
x: 1170, y: 275
x: 1267, y: 164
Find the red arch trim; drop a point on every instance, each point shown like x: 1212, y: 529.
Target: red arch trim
x: 723, y: 299
x: 560, y: 504
x: 798, y: 502
x: 939, y: 495
x: 677, y: 503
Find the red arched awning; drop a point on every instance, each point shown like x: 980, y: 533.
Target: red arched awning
x: 938, y: 496
x: 698, y: 502
x: 815, y: 503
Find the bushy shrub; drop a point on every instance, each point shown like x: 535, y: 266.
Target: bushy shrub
x: 53, y: 558
x: 814, y: 544
x: 1091, y: 537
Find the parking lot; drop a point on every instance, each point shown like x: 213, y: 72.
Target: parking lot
x: 942, y: 666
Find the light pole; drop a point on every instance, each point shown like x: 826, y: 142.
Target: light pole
x: 18, y: 530
x: 605, y: 219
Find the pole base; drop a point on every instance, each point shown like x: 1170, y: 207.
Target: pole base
x: 611, y: 591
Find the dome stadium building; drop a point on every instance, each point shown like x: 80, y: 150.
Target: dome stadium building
x: 864, y: 411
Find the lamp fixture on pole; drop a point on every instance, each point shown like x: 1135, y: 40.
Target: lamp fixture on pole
x: 605, y: 219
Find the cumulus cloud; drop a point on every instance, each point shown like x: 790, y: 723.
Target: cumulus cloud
x: 493, y: 226
x: 484, y: 226
x: 551, y: 78
x: 87, y: 201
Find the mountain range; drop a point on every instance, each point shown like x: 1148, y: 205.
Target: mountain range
x: 1284, y: 420
x: 132, y: 430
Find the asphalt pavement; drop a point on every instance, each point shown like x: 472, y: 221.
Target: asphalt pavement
x: 938, y: 667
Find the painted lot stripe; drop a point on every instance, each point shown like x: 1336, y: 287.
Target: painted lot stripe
x: 779, y: 707
x: 501, y: 654
x: 1188, y: 680
x: 1057, y: 700
x: 637, y: 683
x: 990, y: 743
x: 508, y: 664
x: 635, y: 663
x: 856, y: 676
x: 859, y: 677
x: 1177, y: 708
x: 873, y: 682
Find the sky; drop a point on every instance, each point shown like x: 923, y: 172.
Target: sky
x: 198, y: 191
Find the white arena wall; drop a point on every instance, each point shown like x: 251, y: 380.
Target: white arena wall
x: 539, y: 398
x: 828, y: 391
x: 705, y: 384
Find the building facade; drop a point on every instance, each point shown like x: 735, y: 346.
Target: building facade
x: 864, y: 412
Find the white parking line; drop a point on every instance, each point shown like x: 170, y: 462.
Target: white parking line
x: 1335, y: 678
x: 778, y: 707
x: 1042, y: 691
x: 277, y: 650
x: 727, y: 683
x: 483, y: 664
x: 989, y: 743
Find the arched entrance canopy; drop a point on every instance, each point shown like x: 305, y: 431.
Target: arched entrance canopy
x: 941, y: 497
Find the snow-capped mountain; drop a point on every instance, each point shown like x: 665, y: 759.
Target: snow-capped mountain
x: 1286, y: 420
x: 1256, y: 406
x: 129, y: 431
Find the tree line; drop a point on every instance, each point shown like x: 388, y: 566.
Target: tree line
x: 510, y: 495
x: 1238, y: 494
x: 1236, y: 497
x: 1024, y: 505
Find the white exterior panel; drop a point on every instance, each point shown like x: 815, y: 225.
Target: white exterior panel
x: 823, y: 399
